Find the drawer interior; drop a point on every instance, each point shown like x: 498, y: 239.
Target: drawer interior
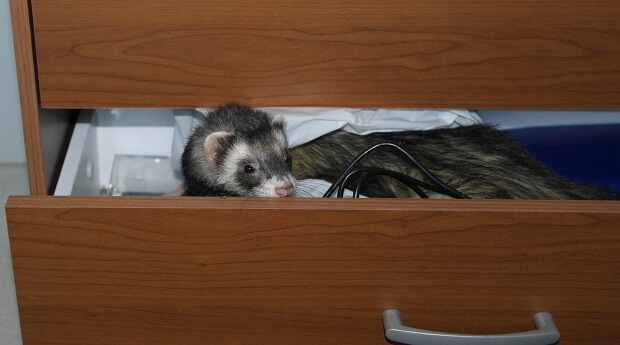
x: 581, y: 146
x: 107, y: 140
x: 135, y: 151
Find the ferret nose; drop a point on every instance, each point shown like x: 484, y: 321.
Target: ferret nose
x: 284, y: 191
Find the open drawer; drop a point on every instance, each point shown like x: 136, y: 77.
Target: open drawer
x: 136, y: 270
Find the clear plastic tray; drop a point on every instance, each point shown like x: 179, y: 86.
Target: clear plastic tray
x: 141, y: 175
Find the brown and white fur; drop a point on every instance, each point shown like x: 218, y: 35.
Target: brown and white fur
x: 479, y: 161
x: 238, y: 151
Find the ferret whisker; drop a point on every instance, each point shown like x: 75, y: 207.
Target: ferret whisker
x: 306, y: 191
x: 303, y: 192
x: 300, y: 175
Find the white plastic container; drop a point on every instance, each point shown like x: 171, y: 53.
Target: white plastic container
x: 103, y: 134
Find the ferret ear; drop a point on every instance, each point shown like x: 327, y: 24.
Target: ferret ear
x: 278, y: 120
x: 216, y: 145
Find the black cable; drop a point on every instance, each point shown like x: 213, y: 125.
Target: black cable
x: 409, y: 180
x: 406, y: 179
x: 347, y: 173
x: 340, y: 193
x: 331, y: 189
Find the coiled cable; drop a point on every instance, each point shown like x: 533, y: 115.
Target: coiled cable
x: 413, y: 183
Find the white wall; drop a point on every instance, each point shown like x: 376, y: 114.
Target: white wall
x: 11, y: 135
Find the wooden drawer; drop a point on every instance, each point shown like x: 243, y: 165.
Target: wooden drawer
x: 399, y: 53
x: 235, y: 271
x: 266, y: 271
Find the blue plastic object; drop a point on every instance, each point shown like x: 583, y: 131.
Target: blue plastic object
x: 588, y: 154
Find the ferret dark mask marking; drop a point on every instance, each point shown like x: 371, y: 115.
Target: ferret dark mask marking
x: 229, y: 139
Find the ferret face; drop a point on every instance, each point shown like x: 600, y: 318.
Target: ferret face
x: 251, y: 162
x: 260, y: 171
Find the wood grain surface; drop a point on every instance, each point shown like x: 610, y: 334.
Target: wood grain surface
x: 368, y: 53
x: 29, y: 101
x: 266, y: 271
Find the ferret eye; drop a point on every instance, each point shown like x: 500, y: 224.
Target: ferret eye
x: 287, y: 159
x: 248, y: 169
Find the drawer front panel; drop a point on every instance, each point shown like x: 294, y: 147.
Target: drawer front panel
x: 251, y: 271
x: 400, y: 53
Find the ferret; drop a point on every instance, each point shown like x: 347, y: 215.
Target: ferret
x: 238, y: 151
x: 479, y: 161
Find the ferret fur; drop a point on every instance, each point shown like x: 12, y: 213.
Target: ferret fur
x: 479, y: 161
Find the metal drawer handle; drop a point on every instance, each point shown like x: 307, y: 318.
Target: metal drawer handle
x: 546, y: 333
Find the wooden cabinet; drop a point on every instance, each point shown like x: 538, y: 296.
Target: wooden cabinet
x: 100, y: 270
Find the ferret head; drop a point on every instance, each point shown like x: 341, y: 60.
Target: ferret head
x: 242, y: 152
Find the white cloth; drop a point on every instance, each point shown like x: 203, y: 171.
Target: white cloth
x: 306, y: 124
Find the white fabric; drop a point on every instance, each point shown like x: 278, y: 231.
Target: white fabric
x: 306, y: 124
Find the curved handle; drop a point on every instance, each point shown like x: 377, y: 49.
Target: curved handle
x: 546, y: 333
